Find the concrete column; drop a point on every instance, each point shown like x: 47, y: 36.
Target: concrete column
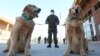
x: 7, y: 27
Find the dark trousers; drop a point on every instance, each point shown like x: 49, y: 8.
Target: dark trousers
x: 54, y: 32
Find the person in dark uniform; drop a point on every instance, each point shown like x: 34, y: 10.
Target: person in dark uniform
x: 45, y: 40
x: 63, y: 40
x: 52, y: 21
x: 39, y: 39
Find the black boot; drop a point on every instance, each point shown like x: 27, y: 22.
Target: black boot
x: 56, y: 46
x: 49, y: 46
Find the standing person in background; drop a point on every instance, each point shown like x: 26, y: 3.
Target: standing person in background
x: 39, y: 39
x: 63, y: 40
x: 45, y: 40
x: 52, y: 21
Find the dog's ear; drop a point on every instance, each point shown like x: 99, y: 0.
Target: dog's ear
x: 70, y: 11
x: 80, y: 12
x: 27, y: 8
x: 80, y: 9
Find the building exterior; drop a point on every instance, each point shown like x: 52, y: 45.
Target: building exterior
x: 5, y: 24
x: 5, y: 29
x: 90, y: 14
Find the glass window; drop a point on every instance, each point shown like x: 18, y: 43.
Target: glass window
x: 87, y: 27
x: 97, y: 6
x: 87, y: 30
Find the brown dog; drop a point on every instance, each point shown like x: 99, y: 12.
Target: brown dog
x: 75, y: 34
x: 21, y: 32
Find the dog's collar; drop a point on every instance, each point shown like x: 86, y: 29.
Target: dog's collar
x: 75, y: 20
x: 26, y: 17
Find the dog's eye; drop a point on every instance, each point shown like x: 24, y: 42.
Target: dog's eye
x: 29, y: 5
x: 34, y: 6
x: 73, y: 8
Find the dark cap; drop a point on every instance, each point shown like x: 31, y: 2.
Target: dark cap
x: 52, y: 10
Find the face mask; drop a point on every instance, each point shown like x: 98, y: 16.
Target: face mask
x: 52, y: 12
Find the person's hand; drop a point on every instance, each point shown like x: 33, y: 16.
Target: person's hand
x: 46, y: 22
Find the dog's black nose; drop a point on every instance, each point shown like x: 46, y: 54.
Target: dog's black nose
x: 38, y: 10
x: 76, y: 11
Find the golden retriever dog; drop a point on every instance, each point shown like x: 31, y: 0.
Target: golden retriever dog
x: 75, y: 34
x: 21, y: 32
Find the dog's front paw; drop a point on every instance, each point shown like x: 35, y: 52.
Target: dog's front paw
x: 84, y: 54
x: 28, y: 54
x: 10, y: 54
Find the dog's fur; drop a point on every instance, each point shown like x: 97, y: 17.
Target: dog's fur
x: 75, y: 34
x: 21, y: 32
